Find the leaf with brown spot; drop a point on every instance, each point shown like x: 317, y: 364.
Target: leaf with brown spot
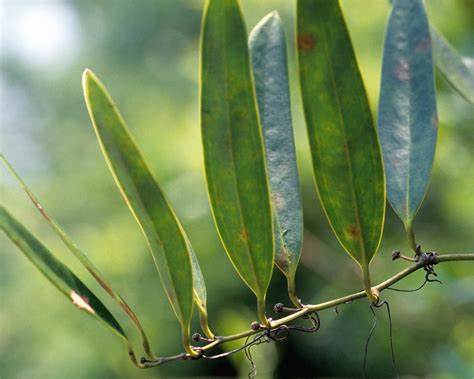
x: 60, y: 276
x: 407, y: 115
x: 347, y: 162
x: 166, y: 238
x: 269, y: 61
x: 82, y: 257
x: 233, y: 147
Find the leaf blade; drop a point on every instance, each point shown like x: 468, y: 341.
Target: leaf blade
x: 237, y: 185
x: 452, y: 66
x: 164, y: 234
x: 408, y: 118
x: 345, y: 152
x: 269, y: 59
x: 60, y: 276
x: 82, y: 257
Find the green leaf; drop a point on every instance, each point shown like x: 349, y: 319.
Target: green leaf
x: 200, y: 293
x: 82, y: 257
x: 345, y: 151
x: 454, y: 68
x: 164, y: 233
x: 408, y: 121
x: 270, y: 68
x: 233, y: 148
x: 60, y: 276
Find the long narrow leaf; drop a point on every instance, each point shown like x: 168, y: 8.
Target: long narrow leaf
x: 82, y: 257
x: 345, y: 151
x: 233, y: 148
x: 270, y: 68
x: 165, y: 236
x: 453, y: 67
x: 60, y: 276
x: 408, y: 121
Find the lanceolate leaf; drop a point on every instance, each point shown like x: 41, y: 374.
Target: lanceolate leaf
x: 85, y: 261
x: 408, y: 121
x: 233, y: 147
x: 60, y: 276
x: 165, y: 236
x: 268, y: 52
x: 453, y: 67
x: 345, y: 151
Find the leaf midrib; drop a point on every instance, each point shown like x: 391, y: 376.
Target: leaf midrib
x: 403, y: 24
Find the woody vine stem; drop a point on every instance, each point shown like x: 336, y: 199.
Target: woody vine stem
x: 423, y: 260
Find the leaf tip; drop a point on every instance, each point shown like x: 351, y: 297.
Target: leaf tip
x: 87, y: 73
x: 87, y: 77
x: 271, y: 20
x: 274, y: 15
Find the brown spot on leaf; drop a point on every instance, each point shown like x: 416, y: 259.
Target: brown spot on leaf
x: 306, y: 42
x: 243, y: 235
x: 353, y: 231
x: 103, y: 284
x: 435, y: 120
x: 278, y: 200
x: 283, y: 258
x: 423, y: 46
x: 38, y: 205
x: 81, y: 302
x: 282, y: 262
x: 402, y: 70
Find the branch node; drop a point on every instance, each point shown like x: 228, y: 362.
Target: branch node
x: 255, y: 325
x: 280, y: 308
x: 398, y: 255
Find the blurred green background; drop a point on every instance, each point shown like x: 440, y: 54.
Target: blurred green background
x: 146, y: 52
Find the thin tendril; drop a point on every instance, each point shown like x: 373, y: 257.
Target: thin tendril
x: 253, y: 372
x: 408, y: 290
x: 315, y: 324
x: 368, y: 340
x: 227, y: 353
x: 279, y: 334
x: 336, y: 308
x: 391, y: 333
x: 263, y: 338
x: 427, y: 279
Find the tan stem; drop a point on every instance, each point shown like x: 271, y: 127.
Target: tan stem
x: 292, y: 292
x: 311, y: 308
